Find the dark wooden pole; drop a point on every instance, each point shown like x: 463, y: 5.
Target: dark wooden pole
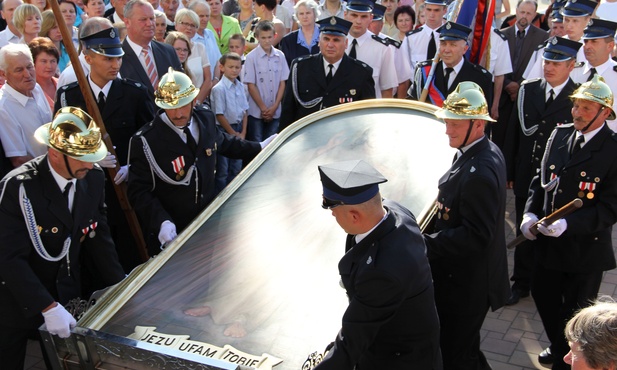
x: 93, y: 110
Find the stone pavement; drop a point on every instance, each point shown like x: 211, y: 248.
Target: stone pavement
x: 512, y: 336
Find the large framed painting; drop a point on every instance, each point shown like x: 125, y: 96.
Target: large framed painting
x: 253, y: 281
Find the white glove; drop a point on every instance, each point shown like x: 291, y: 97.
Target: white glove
x: 167, y: 232
x: 528, y: 220
x: 59, y: 321
x: 267, y: 141
x: 122, y: 175
x: 555, y: 229
x: 108, y: 162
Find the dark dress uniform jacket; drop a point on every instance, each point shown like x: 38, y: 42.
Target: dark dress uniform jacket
x: 524, y: 151
x: 391, y: 321
x: 467, y: 251
x: 469, y: 72
x: 30, y: 283
x: 155, y: 200
x: 352, y: 81
x: 127, y: 108
x: 164, y: 57
x: 586, y: 245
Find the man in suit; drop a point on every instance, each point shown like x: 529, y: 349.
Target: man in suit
x: 391, y: 321
x: 466, y: 247
x: 145, y: 60
x: 543, y: 104
x: 452, y: 69
x: 599, y: 42
x: 116, y: 14
x: 125, y: 106
x: 523, y: 38
x: 173, y: 158
x: 53, y: 220
x: 573, y: 252
x: 313, y: 85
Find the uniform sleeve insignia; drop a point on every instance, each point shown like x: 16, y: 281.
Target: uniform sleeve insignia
x: 503, y: 37
x: 413, y: 31
x: 380, y: 40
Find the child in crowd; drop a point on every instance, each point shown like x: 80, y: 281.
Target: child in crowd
x: 230, y: 105
x: 265, y: 73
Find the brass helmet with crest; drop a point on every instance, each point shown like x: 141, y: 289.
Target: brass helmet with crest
x: 466, y: 102
x: 596, y: 90
x: 74, y: 133
x: 175, y: 90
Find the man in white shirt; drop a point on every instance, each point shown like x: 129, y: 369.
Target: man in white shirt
x: 599, y: 41
x: 23, y: 106
x: 204, y: 35
x: 421, y: 43
x: 366, y: 47
x: 10, y: 35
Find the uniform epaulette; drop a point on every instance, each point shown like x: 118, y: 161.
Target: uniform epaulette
x: 145, y: 128
x: 24, y: 176
x: 393, y: 42
x: 615, y: 68
x: 380, y: 40
x: 70, y: 86
x: 299, y: 59
x: 425, y: 63
x: 133, y: 83
x: 579, y: 64
x: 413, y: 31
x: 359, y: 62
x: 525, y: 82
x: 480, y: 68
x: 503, y: 37
x: 540, y: 46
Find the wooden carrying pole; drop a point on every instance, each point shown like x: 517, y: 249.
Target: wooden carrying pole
x: 93, y: 110
x: 560, y: 213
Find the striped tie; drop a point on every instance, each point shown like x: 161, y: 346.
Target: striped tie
x: 150, y: 69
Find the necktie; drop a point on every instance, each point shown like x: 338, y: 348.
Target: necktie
x: 150, y: 69
x: 520, y: 35
x: 446, y: 78
x: 550, y: 98
x: 101, y: 102
x: 66, y: 192
x: 578, y: 144
x: 190, y: 140
x: 593, y: 73
x: 352, y: 52
x: 329, y: 75
x: 432, y: 47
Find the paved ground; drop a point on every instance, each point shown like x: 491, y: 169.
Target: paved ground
x: 512, y: 336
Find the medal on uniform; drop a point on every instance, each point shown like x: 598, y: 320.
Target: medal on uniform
x: 352, y: 91
x: 589, y: 186
x: 92, y: 233
x: 208, y: 152
x: 54, y: 230
x: 446, y: 216
x: 178, y: 166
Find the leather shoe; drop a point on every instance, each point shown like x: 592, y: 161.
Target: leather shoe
x: 546, y: 357
x: 516, y: 296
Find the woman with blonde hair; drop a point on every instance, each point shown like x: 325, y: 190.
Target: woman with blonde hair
x: 187, y: 22
x: 51, y: 30
x: 27, y: 20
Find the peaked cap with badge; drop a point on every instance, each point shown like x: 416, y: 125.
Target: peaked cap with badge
x: 334, y: 26
x: 453, y: 31
x: 579, y: 8
x: 559, y: 49
x: 105, y: 42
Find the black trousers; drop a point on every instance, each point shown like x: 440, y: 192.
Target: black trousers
x: 558, y: 295
x: 460, y: 340
x: 524, y: 255
x: 13, y: 345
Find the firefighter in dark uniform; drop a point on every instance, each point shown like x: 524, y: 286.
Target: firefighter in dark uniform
x: 542, y: 104
x: 453, y: 65
x: 125, y: 107
x: 391, y: 321
x: 172, y: 161
x: 52, y: 214
x: 311, y: 87
x: 467, y: 247
x: 573, y: 252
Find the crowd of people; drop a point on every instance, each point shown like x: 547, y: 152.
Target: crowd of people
x: 190, y: 91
